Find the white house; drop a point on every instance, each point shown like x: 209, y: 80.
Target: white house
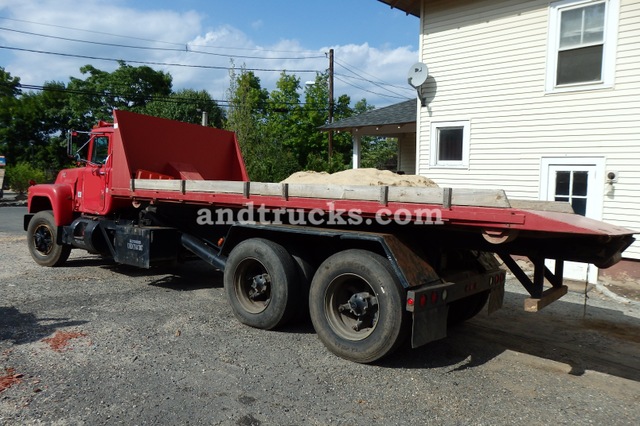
x: 539, y: 98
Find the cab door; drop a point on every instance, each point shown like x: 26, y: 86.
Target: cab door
x: 96, y: 177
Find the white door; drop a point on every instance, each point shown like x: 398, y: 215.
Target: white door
x: 578, y: 181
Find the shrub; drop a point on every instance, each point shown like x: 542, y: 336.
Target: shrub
x: 21, y: 175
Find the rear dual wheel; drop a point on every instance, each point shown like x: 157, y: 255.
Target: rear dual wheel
x: 356, y: 306
x: 261, y: 282
x: 355, y: 300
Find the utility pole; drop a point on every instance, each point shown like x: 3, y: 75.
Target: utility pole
x: 330, y: 102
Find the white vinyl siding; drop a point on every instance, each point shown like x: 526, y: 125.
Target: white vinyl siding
x: 407, y: 153
x: 488, y: 63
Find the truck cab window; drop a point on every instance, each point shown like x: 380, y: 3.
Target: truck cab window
x: 100, y: 150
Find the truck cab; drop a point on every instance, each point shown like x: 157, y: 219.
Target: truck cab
x: 83, y: 189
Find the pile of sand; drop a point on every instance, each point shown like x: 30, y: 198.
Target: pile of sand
x: 367, y: 177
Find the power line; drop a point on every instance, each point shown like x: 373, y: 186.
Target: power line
x: 153, y: 41
x: 392, y: 93
x: 360, y: 71
x: 167, y: 64
x: 164, y: 49
x: 88, y: 31
x: 371, y: 91
x: 202, y: 66
x: 109, y: 94
x: 380, y: 84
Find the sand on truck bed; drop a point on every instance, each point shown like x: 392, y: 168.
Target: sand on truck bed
x: 366, y: 177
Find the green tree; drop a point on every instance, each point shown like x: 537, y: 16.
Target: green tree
x: 264, y: 158
x: 9, y: 93
x: 283, y: 132
x: 284, y: 112
x: 315, y: 151
x: 35, y: 133
x: 127, y: 88
x: 316, y: 114
x: 187, y: 105
x: 9, y: 86
x: 55, y: 117
x: 342, y: 142
x: 379, y: 153
x: 362, y: 106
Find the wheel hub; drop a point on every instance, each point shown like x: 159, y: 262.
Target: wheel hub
x: 361, y: 306
x: 43, y: 240
x: 259, y: 286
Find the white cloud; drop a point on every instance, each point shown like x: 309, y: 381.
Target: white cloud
x: 111, y: 22
x: 257, y: 24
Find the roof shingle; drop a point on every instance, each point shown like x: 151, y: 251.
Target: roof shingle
x: 401, y: 113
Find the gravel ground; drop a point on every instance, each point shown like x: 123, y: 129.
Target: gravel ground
x: 162, y: 347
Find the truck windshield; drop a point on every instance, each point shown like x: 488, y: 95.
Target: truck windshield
x: 100, y: 150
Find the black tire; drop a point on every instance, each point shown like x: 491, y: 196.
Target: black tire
x: 350, y: 331
x: 305, y: 275
x: 42, y: 237
x: 467, y: 308
x: 260, y: 279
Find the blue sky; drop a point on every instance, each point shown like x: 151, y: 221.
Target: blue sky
x: 374, y: 45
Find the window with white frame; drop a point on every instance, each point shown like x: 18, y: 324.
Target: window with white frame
x: 582, y: 36
x: 450, y: 144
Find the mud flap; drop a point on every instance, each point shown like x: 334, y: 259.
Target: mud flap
x: 145, y: 247
x: 496, y: 298
x: 429, y: 325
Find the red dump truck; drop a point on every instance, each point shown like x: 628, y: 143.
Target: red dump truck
x: 369, y: 264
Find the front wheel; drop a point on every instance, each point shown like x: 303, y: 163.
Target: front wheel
x: 356, y: 306
x: 42, y: 236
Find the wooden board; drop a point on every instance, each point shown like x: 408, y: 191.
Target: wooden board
x: 548, y: 296
x: 546, y: 206
x: 381, y: 194
x: 220, y: 186
x: 156, y: 184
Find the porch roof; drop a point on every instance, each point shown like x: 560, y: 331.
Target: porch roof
x: 396, y: 118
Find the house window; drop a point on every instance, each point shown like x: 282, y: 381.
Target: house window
x: 581, y: 44
x: 450, y: 144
